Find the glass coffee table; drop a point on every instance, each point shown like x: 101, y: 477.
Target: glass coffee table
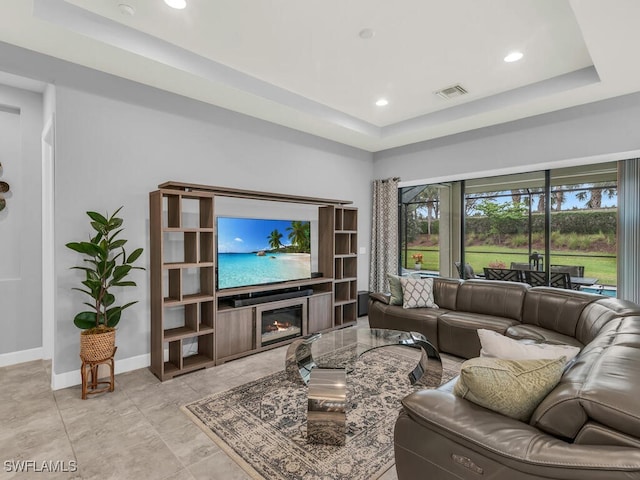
x: 322, y: 362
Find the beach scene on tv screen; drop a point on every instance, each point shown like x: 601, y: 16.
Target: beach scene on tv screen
x: 259, y: 251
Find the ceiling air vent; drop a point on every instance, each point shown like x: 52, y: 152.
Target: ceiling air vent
x: 451, y: 92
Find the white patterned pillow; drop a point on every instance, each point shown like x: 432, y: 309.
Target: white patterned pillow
x: 495, y: 345
x: 417, y: 292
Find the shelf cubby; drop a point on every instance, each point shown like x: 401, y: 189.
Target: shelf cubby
x: 191, y: 215
x: 349, y: 267
x: 346, y: 267
x: 339, y: 270
x: 173, y: 247
x: 173, y: 363
x: 204, y: 354
x: 197, y: 281
x: 180, y: 321
x: 171, y: 207
x: 176, y: 362
x: 190, y: 247
x: 353, y: 290
x: 207, y: 316
x: 349, y: 219
x: 206, y: 247
x: 343, y: 244
x: 349, y: 313
x: 353, y: 244
x: 172, y: 285
x: 341, y: 292
x: 337, y: 315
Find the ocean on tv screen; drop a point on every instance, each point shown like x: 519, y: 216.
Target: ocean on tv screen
x: 240, y: 269
x: 260, y: 251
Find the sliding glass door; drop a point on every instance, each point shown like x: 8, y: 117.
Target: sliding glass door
x: 560, y: 224
x: 425, y: 229
x: 584, y: 226
x: 504, y: 223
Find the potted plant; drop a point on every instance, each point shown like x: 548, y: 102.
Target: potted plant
x: 497, y: 264
x: 417, y: 257
x: 106, y: 265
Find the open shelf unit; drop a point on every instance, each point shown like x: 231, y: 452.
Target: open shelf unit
x: 182, y: 282
x: 338, y: 254
x: 193, y: 326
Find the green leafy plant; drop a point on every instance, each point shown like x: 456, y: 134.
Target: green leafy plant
x: 505, y: 218
x: 106, y: 266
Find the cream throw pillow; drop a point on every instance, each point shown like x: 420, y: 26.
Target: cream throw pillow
x: 495, y: 345
x: 511, y: 387
x: 417, y: 292
x: 395, y: 288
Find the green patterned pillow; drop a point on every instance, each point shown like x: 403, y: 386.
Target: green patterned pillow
x: 511, y: 387
x: 395, y: 287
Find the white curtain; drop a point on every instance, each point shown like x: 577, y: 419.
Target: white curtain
x: 629, y: 230
x: 384, y: 233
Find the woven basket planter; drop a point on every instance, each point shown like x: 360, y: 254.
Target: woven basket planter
x: 97, y: 346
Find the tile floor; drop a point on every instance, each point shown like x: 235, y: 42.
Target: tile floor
x: 136, y: 432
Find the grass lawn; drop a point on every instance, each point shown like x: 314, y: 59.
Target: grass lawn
x: 604, y: 269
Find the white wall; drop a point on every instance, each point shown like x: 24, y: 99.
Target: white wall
x: 602, y: 131
x: 111, y: 153
x: 20, y: 242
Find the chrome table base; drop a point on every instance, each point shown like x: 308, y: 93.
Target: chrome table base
x: 326, y: 410
x: 326, y: 414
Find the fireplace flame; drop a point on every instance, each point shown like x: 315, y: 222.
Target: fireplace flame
x: 281, y: 326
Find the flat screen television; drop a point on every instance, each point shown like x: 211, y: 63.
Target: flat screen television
x: 257, y: 251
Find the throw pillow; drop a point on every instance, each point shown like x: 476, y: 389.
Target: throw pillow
x: 511, y: 387
x: 495, y: 345
x: 395, y: 287
x: 417, y: 292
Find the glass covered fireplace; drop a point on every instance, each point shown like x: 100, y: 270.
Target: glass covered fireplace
x: 281, y: 324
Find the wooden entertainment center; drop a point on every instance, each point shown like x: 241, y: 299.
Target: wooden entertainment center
x: 227, y: 324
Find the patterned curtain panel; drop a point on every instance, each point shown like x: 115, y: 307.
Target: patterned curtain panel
x: 384, y: 233
x: 629, y: 230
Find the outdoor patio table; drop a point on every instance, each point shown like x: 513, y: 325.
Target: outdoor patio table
x: 583, y: 281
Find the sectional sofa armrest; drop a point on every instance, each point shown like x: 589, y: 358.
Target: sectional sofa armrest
x: 512, y: 443
x: 381, y: 297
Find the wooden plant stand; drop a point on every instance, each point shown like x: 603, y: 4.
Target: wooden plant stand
x: 89, y: 373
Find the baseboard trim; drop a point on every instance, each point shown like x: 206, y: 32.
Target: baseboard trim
x: 22, y: 356
x: 71, y: 379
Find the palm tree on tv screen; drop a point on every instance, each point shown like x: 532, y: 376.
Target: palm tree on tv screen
x: 300, y: 235
x: 274, y: 239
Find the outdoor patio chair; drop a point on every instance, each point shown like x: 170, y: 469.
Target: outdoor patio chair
x: 572, y: 270
x: 468, y: 271
x: 505, y: 274
x: 557, y: 279
x: 520, y: 266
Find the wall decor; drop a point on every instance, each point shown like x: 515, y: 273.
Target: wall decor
x: 4, y: 187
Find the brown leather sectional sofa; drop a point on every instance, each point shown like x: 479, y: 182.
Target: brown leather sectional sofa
x: 588, y: 426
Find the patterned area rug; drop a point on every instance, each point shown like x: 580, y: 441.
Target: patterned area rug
x: 262, y: 424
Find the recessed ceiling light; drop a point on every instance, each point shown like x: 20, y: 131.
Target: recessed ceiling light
x: 178, y: 4
x: 366, y: 33
x: 382, y: 102
x: 513, y: 57
x: 126, y: 9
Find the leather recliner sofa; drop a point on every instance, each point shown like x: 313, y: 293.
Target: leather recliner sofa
x: 587, y: 427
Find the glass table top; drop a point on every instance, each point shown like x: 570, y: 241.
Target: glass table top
x: 342, y: 348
